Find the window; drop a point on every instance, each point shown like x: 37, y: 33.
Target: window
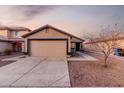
x: 72, y: 45
x: 16, y: 33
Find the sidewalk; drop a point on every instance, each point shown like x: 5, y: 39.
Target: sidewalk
x: 118, y: 57
x: 83, y: 57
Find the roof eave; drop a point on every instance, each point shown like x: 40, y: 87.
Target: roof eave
x: 49, y: 26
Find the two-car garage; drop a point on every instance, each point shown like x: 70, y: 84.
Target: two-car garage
x: 48, y: 48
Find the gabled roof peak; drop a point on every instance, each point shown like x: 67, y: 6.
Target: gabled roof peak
x: 52, y: 27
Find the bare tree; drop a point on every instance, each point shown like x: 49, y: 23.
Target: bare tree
x: 105, y: 41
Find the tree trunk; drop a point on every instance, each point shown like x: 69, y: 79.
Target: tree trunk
x: 105, y: 61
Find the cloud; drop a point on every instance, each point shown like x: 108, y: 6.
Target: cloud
x: 30, y: 11
x: 13, y: 14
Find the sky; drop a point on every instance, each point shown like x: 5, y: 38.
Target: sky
x: 74, y: 19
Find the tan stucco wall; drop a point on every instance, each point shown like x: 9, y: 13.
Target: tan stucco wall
x: 83, y: 46
x: 75, y: 40
x: 5, y: 45
x: 121, y: 43
x: 48, y: 48
x: 4, y: 33
x: 20, y: 33
x: 11, y: 34
x: 50, y: 33
x: 25, y: 45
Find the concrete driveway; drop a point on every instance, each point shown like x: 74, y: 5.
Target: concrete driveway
x: 35, y: 72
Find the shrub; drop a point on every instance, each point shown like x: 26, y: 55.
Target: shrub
x: 7, y: 51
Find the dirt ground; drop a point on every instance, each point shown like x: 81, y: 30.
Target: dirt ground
x: 93, y: 74
x: 3, y: 63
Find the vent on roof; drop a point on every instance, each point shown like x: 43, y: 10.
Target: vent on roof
x: 46, y: 30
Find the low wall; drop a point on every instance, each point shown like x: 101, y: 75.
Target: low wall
x: 5, y: 45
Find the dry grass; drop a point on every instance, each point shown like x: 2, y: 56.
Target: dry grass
x: 93, y: 74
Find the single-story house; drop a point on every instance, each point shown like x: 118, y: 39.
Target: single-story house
x: 50, y: 41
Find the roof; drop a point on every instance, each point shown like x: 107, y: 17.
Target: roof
x: 100, y: 40
x: 49, y: 26
x: 1, y: 40
x: 3, y: 27
x: 5, y: 39
x: 11, y: 40
x: 16, y: 40
x: 108, y: 37
x: 16, y: 28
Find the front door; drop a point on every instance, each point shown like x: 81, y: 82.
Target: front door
x: 17, y: 47
x: 77, y: 46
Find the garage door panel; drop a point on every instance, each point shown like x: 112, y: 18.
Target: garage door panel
x: 47, y: 48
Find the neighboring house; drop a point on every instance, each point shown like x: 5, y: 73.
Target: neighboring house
x: 11, y: 36
x: 49, y: 41
x: 4, y: 44
x: 90, y: 46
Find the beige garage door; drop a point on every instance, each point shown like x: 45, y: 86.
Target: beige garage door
x: 48, y: 48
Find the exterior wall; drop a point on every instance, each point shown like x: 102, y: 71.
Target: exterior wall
x: 121, y: 43
x: 25, y: 46
x: 50, y: 33
x: 75, y: 40
x: 5, y: 45
x: 4, y: 33
x: 20, y: 33
x: 83, y: 46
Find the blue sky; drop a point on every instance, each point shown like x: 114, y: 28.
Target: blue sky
x: 76, y: 20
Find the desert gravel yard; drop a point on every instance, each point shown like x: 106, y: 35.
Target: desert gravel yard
x: 93, y: 74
